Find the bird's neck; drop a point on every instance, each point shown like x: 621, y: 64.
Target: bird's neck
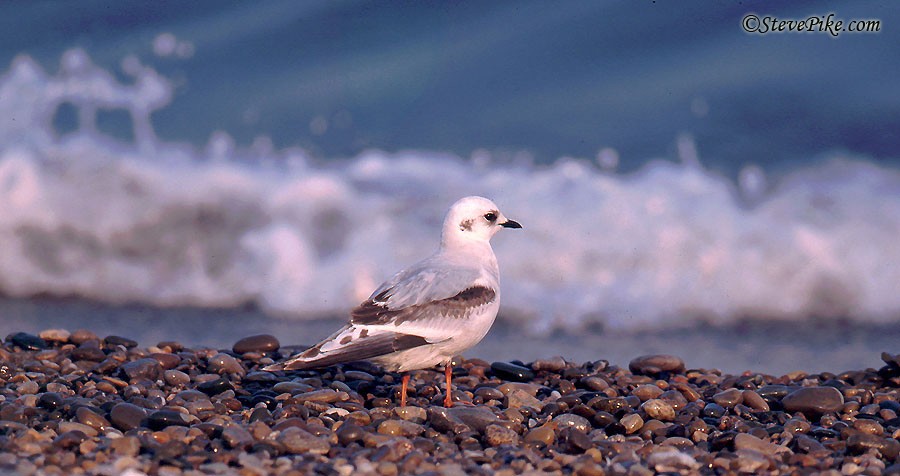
x: 468, y: 251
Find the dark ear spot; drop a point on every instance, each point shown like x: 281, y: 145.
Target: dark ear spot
x: 466, y: 225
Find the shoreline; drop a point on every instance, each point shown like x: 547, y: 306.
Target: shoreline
x: 771, y: 347
x: 79, y: 403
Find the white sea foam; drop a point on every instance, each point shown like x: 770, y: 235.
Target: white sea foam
x: 166, y: 224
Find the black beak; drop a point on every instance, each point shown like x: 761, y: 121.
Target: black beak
x: 511, y: 224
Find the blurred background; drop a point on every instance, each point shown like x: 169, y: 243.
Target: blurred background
x: 201, y: 171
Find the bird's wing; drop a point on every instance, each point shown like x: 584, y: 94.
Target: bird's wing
x: 426, y: 281
x: 426, y: 315
x: 350, y: 344
x: 375, y: 330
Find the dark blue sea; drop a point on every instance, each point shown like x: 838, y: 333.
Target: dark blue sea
x: 682, y: 182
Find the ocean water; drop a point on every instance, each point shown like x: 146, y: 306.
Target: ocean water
x: 289, y: 158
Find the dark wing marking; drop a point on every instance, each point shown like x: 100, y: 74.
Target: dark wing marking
x: 375, y: 311
x: 361, y: 349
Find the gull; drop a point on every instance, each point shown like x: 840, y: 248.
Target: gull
x: 430, y: 311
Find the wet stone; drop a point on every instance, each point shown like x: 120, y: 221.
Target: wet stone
x: 413, y: 414
x: 81, y: 336
x: 443, y: 421
x: 215, y: 387
x: 658, y: 409
x: 647, y: 392
x: 400, y: 428
x: 237, y: 437
x: 714, y: 410
x: 50, y: 401
x: 88, y: 352
x: 860, y: 442
x: 146, y: 368
x: 656, y: 364
x: 55, y: 335
x: 489, y: 393
x: 496, y: 435
x: 569, y: 420
x: 813, y: 400
x: 773, y: 392
x: 543, y: 434
x: 166, y: 360
x: 477, y: 418
x: 553, y: 364
x: 126, y: 416
x: 519, y: 398
x: 164, y: 418
x: 27, y: 341
x: 729, y: 398
x: 69, y: 439
x: 796, y: 425
x: 755, y: 401
x: 632, y: 423
x: 113, y: 341
x: 510, y: 371
x: 28, y: 387
x: 257, y: 343
x: 91, y: 419
x: 225, y: 364
x: 321, y: 396
x: 176, y: 378
x: 126, y: 446
x: 298, y: 441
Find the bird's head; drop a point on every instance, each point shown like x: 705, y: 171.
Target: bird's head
x: 474, y: 219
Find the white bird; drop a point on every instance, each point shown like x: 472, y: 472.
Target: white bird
x: 429, y: 312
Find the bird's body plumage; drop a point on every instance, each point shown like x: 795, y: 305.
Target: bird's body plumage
x: 430, y: 311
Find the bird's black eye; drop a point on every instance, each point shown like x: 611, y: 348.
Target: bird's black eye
x: 490, y: 216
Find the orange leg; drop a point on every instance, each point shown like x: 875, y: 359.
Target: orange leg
x: 448, y: 372
x: 403, y: 386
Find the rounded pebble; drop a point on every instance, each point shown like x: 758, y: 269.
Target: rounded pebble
x: 656, y: 364
x: 257, y: 343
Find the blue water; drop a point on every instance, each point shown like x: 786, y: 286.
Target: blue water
x: 545, y: 78
x: 668, y: 167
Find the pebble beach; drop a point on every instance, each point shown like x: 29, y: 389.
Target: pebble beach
x: 80, y: 403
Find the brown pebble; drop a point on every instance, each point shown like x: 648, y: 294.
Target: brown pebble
x: 91, y: 419
x: 81, y: 336
x: 126, y: 446
x: 413, y: 414
x: 813, y: 400
x: 496, y: 435
x: 55, y: 335
x: 632, y: 423
x: 222, y: 363
x: 256, y: 343
x: 595, y: 383
x: 321, y: 396
x: 729, y: 398
x: 67, y: 426
x: 518, y: 398
x: 542, y: 434
x: 298, y: 441
x: 553, y: 364
x: 658, y: 409
x: 166, y: 360
x: 754, y: 401
x: 656, y: 364
x: 126, y: 416
x: 569, y: 420
x: 400, y: 428
x: 647, y: 392
x: 796, y: 425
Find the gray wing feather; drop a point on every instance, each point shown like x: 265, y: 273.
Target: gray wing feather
x: 426, y: 281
